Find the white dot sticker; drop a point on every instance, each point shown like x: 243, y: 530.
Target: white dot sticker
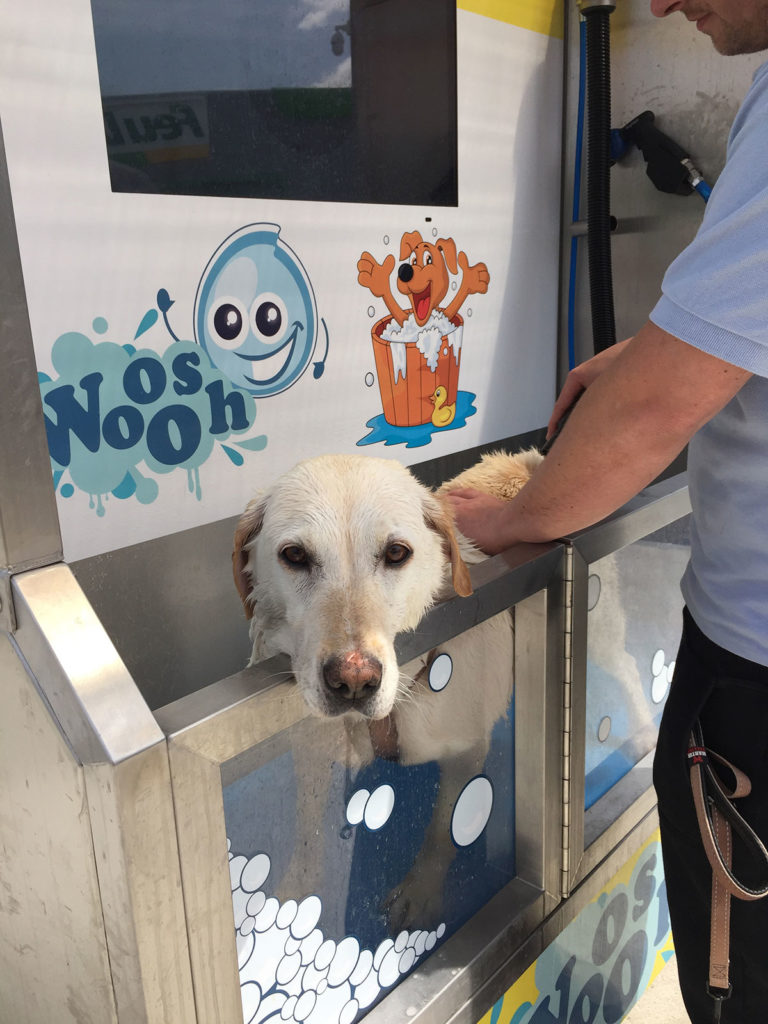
x: 250, y: 993
x: 472, y: 811
x: 256, y: 903
x: 440, y: 672
x: 362, y: 967
x: 325, y: 954
x: 657, y: 663
x: 407, y: 960
x: 286, y: 914
x: 255, y: 872
x: 266, y: 917
x: 288, y: 968
x: 356, y: 806
x: 245, y: 944
x: 236, y: 866
x: 659, y: 688
x: 307, y: 916
x: 379, y: 807
x: 305, y: 1006
x: 344, y: 960
x: 389, y: 971
x: 349, y: 1012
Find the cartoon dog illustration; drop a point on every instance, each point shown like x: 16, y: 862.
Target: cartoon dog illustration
x: 423, y: 277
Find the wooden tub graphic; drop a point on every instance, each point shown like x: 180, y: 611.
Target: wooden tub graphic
x: 410, y: 372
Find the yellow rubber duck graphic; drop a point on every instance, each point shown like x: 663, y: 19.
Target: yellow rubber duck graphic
x: 443, y: 414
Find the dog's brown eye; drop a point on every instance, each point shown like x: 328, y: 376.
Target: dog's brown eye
x: 396, y: 554
x: 295, y: 555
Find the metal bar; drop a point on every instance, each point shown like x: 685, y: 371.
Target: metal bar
x: 657, y: 505
x: 499, y: 583
x: 29, y: 523
x: 78, y: 670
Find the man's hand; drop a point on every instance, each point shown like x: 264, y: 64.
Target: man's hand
x: 483, y: 518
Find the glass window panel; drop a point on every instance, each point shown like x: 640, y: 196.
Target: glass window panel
x: 633, y: 630
x: 338, y: 100
x: 343, y: 878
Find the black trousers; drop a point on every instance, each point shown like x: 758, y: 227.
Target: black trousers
x: 730, y: 697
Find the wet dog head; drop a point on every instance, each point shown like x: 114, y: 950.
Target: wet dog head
x: 342, y: 554
x: 423, y: 272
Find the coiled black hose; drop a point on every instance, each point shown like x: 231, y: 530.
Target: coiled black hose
x: 598, y: 56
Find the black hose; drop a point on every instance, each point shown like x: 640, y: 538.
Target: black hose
x: 598, y: 176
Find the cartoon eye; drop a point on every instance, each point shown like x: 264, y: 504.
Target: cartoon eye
x: 427, y: 259
x: 397, y: 553
x: 269, y: 317
x: 227, y: 322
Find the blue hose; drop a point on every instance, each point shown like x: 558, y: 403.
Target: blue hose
x: 703, y: 189
x: 576, y: 194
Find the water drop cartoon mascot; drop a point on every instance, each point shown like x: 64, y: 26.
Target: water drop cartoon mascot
x: 422, y: 277
x: 255, y: 312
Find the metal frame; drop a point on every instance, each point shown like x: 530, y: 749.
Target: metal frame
x: 29, y: 529
x: 225, y: 720
x: 592, y: 834
x: 118, y: 762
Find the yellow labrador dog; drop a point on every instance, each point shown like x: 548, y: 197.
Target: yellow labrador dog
x: 340, y: 555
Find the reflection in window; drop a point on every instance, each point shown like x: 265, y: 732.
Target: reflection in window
x: 337, y: 100
x: 633, y: 630
x: 343, y: 881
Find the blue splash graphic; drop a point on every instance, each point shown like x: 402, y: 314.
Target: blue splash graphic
x: 382, y: 432
x: 113, y: 408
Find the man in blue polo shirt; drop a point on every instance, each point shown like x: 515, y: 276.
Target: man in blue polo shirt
x: 697, y: 374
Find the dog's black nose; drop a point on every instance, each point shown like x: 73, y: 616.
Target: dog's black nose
x: 353, y: 676
x: 405, y: 272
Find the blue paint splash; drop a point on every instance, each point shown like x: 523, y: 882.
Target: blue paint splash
x: 113, y: 407
x: 385, y: 433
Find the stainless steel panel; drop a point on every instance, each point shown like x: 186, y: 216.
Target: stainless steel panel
x: 539, y: 715
x: 137, y: 859
x: 655, y: 506
x: 87, y: 686
x: 54, y: 962
x: 88, y: 696
x: 29, y: 524
x: 220, y: 734
x: 611, y: 648
x: 171, y: 609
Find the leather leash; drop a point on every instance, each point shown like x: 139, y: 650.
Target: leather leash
x: 718, y: 819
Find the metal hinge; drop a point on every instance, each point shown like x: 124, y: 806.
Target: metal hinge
x: 7, y: 617
x: 567, y: 714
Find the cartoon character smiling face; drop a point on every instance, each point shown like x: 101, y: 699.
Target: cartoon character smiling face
x: 255, y: 312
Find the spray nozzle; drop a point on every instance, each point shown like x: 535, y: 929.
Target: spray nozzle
x: 668, y: 165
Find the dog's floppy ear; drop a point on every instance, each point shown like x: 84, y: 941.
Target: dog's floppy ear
x: 247, y: 528
x: 438, y: 517
x: 447, y: 247
x: 408, y: 243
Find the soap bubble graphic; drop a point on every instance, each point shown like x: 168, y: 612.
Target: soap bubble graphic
x: 115, y: 414
x: 373, y: 809
x: 290, y: 972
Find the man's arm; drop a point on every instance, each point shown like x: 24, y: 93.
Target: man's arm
x: 633, y: 419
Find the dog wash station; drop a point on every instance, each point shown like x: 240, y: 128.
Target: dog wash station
x: 180, y: 841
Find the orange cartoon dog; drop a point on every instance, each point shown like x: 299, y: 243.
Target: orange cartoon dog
x: 422, y: 277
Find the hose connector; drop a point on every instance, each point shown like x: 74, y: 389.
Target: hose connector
x: 585, y: 6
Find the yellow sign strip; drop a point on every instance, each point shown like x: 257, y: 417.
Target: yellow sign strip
x: 545, y: 16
